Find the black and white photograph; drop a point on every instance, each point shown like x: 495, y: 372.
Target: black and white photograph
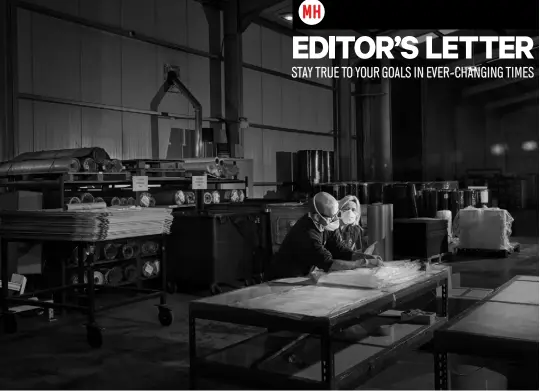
x: 269, y: 194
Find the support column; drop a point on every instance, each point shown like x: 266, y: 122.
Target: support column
x: 380, y: 141
x: 213, y: 17
x: 233, y: 74
x: 8, y: 80
x: 344, y: 136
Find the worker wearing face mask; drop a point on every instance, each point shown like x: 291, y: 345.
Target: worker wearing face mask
x: 349, y: 227
x: 314, y: 242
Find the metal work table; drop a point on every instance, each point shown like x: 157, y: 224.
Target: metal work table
x: 337, y: 362
x: 504, y: 325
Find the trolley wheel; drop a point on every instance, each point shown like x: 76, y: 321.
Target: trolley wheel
x: 94, y: 336
x: 10, y: 323
x: 171, y: 287
x: 215, y: 289
x: 165, y: 316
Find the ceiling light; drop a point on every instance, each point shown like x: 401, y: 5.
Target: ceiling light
x: 288, y: 17
x: 529, y: 146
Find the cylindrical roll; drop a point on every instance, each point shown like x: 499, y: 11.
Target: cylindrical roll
x: 115, y: 201
x: 99, y: 278
x: 147, y: 269
x: 352, y: 189
x: 94, y: 206
x: 114, y: 276
x: 149, y: 247
x: 468, y: 199
x: 123, y: 201
x: 87, y: 198
x: 75, y: 279
x: 446, y: 215
x: 216, y: 198
x: 388, y: 193
x: 170, y: 197
x: 375, y: 190
x: 147, y: 200
x: 327, y: 166
x: 232, y: 196
x: 131, y: 201
x: 443, y: 200
x: 381, y: 230
x: 207, y: 198
x: 110, y: 251
x: 113, y: 165
x: 127, y: 251
x: 317, y: 188
x: 136, y: 248
x: 130, y: 273
x: 97, y: 200
x: 401, y: 199
x: 190, y: 197
x: 40, y: 166
x: 241, y: 196
x: 363, y: 193
x: 89, y: 165
x: 156, y: 264
x: 483, y: 198
x: 73, y: 200
x: 429, y: 199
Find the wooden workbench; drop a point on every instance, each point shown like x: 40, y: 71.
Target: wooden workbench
x: 504, y: 325
x: 320, y: 347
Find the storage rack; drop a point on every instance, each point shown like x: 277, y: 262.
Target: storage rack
x: 87, y: 260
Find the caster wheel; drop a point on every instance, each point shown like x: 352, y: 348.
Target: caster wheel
x: 166, y: 317
x: 10, y: 323
x: 94, y: 336
x: 171, y: 288
x: 215, y: 289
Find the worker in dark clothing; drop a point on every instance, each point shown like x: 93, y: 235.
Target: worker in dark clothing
x: 314, y: 242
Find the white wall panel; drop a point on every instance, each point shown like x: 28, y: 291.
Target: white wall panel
x: 56, y: 126
x: 272, y: 142
x: 197, y: 25
x: 139, y: 16
x: 287, y: 61
x: 24, y: 32
x: 164, y: 126
x: 171, y: 21
x: 25, y: 142
x: 253, y: 150
x: 324, y: 107
x: 198, y: 82
x: 253, y: 96
x: 271, y: 100
x: 103, y: 128
x: 290, y: 103
x: 137, y: 140
x: 56, y: 58
x: 271, y: 49
x: 251, y: 45
x: 101, y: 68
x: 139, y: 78
x: 103, y: 11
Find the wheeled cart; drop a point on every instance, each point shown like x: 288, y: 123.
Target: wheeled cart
x: 87, y: 260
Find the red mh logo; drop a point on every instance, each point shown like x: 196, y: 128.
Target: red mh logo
x: 311, y: 12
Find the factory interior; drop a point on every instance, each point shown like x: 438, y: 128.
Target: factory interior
x: 155, y: 156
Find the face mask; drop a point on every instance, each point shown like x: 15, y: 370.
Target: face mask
x: 332, y: 226
x: 348, y: 217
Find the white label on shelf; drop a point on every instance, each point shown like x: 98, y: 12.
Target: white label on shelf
x: 148, y: 269
x: 140, y: 183
x: 199, y: 182
x: 484, y: 196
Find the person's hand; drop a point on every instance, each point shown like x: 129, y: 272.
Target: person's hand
x: 367, y: 260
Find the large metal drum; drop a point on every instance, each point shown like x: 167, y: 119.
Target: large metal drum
x: 467, y: 198
x: 352, y: 189
x: 327, y: 167
x: 363, y: 193
x: 429, y: 203
x: 375, y: 191
x: 341, y: 190
x: 310, y: 163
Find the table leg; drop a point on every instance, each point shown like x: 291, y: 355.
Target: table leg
x: 327, y: 361
x: 192, y: 353
x: 5, y: 277
x: 444, y: 300
x: 440, y: 360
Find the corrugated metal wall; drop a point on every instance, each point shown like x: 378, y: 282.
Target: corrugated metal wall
x: 63, y: 60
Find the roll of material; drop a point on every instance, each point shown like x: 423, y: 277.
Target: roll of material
x: 89, y: 165
x: 110, y: 251
x: 170, y: 197
x: 342, y: 191
x: 149, y: 247
x: 113, y: 165
x: 87, y: 198
x: 45, y: 166
x: 75, y: 279
x: 147, y: 200
x: 232, y: 196
x: 114, y: 276
x: 363, y: 193
x: 94, y: 206
x: 115, y: 201
x: 375, y: 191
x: 466, y: 198
x: 483, y: 198
x: 388, y: 193
x: 156, y: 264
x: 241, y: 196
x: 147, y: 269
x: 315, y: 166
x: 429, y: 203
x: 327, y: 166
x: 404, y: 200
x: 443, y: 202
x: 127, y: 251
x: 96, y: 153
x: 216, y: 198
x: 99, y: 278
x: 190, y: 197
x: 73, y: 200
x: 380, y: 219
x: 99, y: 199
x: 446, y: 215
x: 207, y: 198
x: 123, y: 201
x: 130, y: 273
x: 131, y: 201
x: 317, y: 188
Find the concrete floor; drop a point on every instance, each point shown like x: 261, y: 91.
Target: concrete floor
x: 138, y: 353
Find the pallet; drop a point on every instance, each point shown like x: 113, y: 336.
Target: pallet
x: 516, y: 247
x: 71, y: 177
x: 151, y: 165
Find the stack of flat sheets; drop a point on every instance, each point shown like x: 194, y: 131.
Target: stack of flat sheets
x: 85, y: 225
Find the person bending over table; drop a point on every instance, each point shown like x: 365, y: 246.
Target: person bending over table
x: 314, y: 242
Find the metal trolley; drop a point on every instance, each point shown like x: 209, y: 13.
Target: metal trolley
x: 86, y: 260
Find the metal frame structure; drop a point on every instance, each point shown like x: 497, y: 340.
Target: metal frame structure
x: 86, y: 262
x: 447, y: 341
x: 325, y: 328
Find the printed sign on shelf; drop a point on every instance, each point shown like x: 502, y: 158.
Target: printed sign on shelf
x: 140, y: 183
x: 199, y: 182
